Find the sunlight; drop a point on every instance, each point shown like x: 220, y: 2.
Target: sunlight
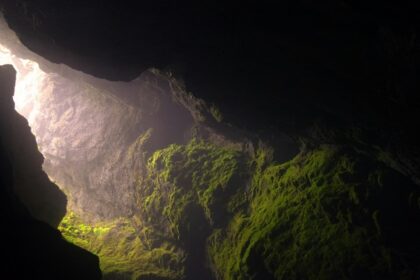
x: 30, y: 80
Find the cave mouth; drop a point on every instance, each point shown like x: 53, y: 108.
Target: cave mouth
x: 95, y: 136
x: 35, y: 92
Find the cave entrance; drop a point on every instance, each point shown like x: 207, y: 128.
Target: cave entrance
x: 95, y: 136
x: 80, y: 131
x: 69, y: 116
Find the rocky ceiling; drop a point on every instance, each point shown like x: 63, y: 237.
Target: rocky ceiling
x: 252, y: 59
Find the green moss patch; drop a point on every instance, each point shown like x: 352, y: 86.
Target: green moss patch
x: 330, y: 213
x: 324, y: 215
x: 124, y: 248
x: 199, y: 174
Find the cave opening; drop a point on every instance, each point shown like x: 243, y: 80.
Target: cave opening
x: 45, y: 100
x: 95, y: 136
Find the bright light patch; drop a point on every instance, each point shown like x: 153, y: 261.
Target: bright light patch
x: 30, y: 80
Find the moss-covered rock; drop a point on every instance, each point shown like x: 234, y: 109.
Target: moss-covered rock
x: 198, y: 173
x: 191, y: 189
x: 126, y: 250
x: 330, y: 213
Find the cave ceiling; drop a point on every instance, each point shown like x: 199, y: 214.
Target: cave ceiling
x: 251, y: 59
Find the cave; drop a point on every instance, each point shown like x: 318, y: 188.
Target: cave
x: 201, y: 145
x: 79, y: 121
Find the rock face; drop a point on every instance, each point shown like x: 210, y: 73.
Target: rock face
x: 32, y: 249
x: 95, y: 135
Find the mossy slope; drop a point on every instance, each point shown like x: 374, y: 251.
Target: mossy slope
x: 213, y: 212
x: 126, y: 250
x: 330, y: 213
x: 198, y: 173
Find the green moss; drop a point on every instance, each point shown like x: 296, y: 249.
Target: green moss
x: 314, y: 217
x: 197, y: 174
x: 183, y: 181
x: 323, y: 215
x: 124, y: 248
x: 215, y: 112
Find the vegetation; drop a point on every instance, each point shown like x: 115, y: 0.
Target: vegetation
x: 124, y: 249
x: 330, y: 213
x: 195, y: 175
x: 322, y: 215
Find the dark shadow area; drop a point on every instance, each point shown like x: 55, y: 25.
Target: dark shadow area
x: 263, y: 65
x: 193, y: 235
x: 31, y: 185
x: 32, y: 249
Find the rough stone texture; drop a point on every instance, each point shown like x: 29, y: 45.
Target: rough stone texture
x: 94, y: 137
x: 31, y: 248
x: 95, y: 134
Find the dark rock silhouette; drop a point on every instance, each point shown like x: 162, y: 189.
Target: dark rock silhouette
x: 31, y: 248
x: 42, y: 198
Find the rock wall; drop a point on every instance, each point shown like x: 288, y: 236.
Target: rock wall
x: 96, y: 135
